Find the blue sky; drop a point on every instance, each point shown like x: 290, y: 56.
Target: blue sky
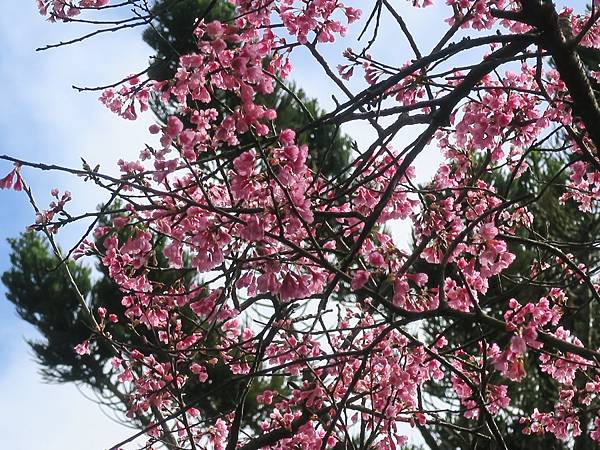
x: 43, y: 119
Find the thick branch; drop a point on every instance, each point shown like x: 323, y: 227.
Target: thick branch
x: 544, y: 17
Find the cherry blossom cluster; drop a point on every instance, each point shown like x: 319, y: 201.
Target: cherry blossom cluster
x: 12, y: 180
x: 64, y: 9
x: 465, y: 383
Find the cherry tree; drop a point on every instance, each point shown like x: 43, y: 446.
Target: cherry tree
x: 294, y: 275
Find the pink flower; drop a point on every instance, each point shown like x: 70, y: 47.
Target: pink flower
x: 83, y: 348
x: 352, y: 14
x: 253, y: 231
x: 18, y: 186
x: 360, y: 279
x: 287, y: 137
x: 7, y: 181
x: 200, y: 371
x: 376, y: 259
x: 518, y: 345
x: 174, y: 127
x: 244, y: 164
x: 266, y: 397
x: 214, y: 29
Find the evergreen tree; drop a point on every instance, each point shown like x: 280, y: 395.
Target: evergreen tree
x: 43, y: 296
x: 173, y: 36
x: 559, y: 223
x: 563, y: 224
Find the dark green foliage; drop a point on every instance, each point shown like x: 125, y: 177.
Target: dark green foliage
x: 172, y: 36
x: 43, y: 297
x: 329, y: 150
x: 558, y: 223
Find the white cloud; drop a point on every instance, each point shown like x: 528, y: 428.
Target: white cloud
x: 35, y: 415
x: 44, y: 119
x: 47, y: 120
